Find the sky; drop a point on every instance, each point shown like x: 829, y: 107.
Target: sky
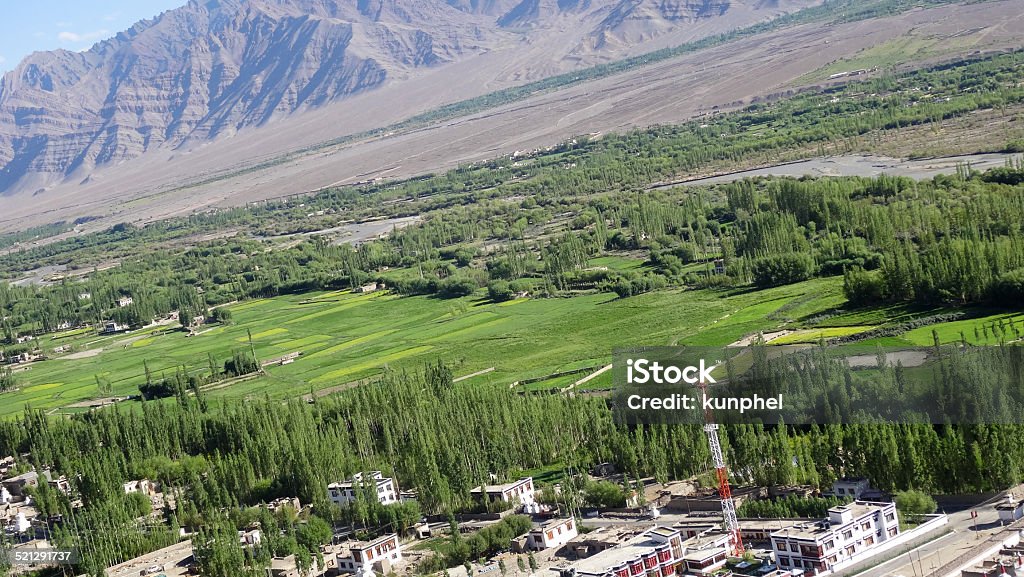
x: 27, y: 26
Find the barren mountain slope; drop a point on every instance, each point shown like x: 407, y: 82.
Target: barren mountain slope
x: 203, y: 71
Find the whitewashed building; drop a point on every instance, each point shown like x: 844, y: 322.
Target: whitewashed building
x: 847, y: 536
x: 366, y: 558
x: 552, y: 534
x: 346, y: 493
x: 1010, y: 510
x: 521, y: 490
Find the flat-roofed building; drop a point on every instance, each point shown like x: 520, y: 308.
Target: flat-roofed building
x: 521, y: 490
x: 346, y: 493
x: 1011, y: 509
x: 654, y: 553
x: 847, y: 536
x: 552, y: 534
x: 366, y: 557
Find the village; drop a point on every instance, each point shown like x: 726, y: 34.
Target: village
x: 668, y: 530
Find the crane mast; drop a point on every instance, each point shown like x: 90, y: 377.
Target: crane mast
x: 732, y: 524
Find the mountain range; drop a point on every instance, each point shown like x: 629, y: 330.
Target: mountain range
x: 206, y: 70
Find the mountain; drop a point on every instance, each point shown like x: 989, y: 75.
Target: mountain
x: 212, y: 67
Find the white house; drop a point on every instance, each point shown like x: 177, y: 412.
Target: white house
x: 521, y: 490
x: 5, y: 496
x: 552, y: 534
x: 365, y: 558
x: 250, y: 538
x: 847, y: 536
x: 1011, y: 509
x: 144, y: 486
x: 125, y: 301
x: 113, y: 327
x: 347, y: 492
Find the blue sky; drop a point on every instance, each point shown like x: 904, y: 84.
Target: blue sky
x: 27, y: 26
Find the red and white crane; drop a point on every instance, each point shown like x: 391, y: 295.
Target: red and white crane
x: 732, y: 524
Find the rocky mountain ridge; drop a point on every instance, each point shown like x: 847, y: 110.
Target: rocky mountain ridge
x: 212, y: 67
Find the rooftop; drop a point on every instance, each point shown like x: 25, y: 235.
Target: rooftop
x: 812, y: 529
x: 601, y: 562
x: 502, y: 487
x: 553, y: 523
x: 364, y: 545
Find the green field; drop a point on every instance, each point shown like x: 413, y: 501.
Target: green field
x: 344, y: 337
x: 815, y: 335
x: 976, y: 331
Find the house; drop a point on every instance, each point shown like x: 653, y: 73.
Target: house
x: 84, y: 296
x: 369, y: 288
x: 24, y: 339
x: 521, y: 490
x: 347, y: 492
x: 552, y: 534
x: 278, y: 504
x: 16, y: 485
x: 1011, y: 509
x: 851, y: 487
x: 144, y: 486
x: 60, y: 484
x: 604, y: 470
x: 125, y: 301
x: 21, y: 358
x: 111, y: 327
x: 847, y: 536
x: 5, y: 496
x: 287, y: 567
x: 409, y: 496
x: 366, y: 558
x: 250, y: 538
x: 655, y: 553
x: 719, y: 266
x: 64, y: 325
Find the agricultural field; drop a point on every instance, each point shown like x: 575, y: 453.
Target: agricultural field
x: 344, y: 337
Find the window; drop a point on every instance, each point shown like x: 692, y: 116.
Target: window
x: 890, y: 516
x: 794, y: 547
x: 866, y: 526
x: 784, y: 561
x: 847, y: 534
x: 829, y: 544
x: 869, y: 541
